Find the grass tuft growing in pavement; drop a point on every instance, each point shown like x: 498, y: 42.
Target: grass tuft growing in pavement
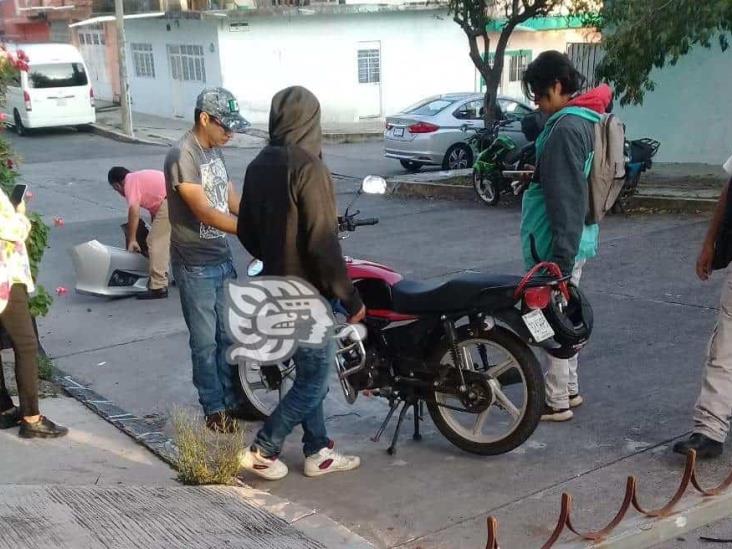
x: 45, y: 368
x: 205, y: 457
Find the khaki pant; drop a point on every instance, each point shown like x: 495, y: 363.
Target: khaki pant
x: 158, y: 245
x: 561, y: 376
x: 714, y: 406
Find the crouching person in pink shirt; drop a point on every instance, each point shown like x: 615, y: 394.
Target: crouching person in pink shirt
x: 145, y: 189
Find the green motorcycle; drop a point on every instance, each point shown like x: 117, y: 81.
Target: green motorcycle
x: 495, y: 154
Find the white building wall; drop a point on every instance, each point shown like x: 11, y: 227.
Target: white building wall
x: 162, y: 96
x: 687, y: 111
x: 422, y: 53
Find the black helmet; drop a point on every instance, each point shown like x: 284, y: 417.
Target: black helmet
x: 571, y: 321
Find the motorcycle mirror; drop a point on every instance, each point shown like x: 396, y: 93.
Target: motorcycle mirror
x: 255, y: 268
x: 374, y: 184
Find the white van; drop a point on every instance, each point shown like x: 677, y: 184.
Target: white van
x: 54, y: 92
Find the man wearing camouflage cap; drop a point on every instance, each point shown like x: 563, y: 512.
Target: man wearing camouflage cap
x: 203, y: 206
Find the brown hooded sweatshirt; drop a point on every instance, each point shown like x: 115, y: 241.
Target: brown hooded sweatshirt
x: 287, y: 216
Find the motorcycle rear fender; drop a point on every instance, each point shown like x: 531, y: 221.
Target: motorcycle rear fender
x: 511, y: 318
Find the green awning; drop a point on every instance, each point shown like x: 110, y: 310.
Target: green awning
x: 541, y: 24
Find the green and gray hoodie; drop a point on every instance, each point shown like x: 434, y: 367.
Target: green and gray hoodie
x: 555, y: 204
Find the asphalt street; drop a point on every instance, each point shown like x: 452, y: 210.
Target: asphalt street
x: 640, y: 374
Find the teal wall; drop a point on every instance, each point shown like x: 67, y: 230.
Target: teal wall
x: 690, y: 110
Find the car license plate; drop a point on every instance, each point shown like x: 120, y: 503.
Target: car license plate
x: 61, y: 102
x: 398, y: 132
x: 538, y: 325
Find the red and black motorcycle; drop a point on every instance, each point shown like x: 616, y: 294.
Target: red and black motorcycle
x: 460, y: 346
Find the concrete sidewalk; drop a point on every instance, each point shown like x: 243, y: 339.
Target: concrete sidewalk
x: 98, y: 488
x: 157, y: 130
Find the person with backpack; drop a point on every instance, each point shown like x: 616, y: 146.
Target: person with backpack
x: 714, y: 405
x: 557, y: 222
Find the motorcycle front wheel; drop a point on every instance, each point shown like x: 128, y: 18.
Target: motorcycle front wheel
x: 486, y: 188
x: 262, y: 387
x: 505, y: 390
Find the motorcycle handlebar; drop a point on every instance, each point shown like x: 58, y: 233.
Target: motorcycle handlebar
x: 367, y: 221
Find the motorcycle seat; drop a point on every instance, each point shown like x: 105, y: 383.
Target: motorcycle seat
x: 463, y: 293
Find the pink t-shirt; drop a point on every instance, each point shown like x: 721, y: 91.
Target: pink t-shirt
x: 146, y: 189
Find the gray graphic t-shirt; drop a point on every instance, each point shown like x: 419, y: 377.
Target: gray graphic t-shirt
x: 193, y: 242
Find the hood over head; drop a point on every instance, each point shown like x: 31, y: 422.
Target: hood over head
x: 597, y: 99
x: 294, y: 119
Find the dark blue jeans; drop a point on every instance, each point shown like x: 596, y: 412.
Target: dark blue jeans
x: 302, y: 405
x: 203, y: 299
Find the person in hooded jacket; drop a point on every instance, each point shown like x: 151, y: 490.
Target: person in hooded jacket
x: 288, y: 220
x: 556, y: 202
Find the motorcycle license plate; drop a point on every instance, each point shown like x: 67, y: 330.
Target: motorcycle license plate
x: 538, y: 325
x: 398, y: 132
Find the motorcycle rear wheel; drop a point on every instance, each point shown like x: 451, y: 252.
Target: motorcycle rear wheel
x: 261, y: 388
x: 512, y: 359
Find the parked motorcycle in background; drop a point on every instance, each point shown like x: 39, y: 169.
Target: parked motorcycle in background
x: 498, y: 154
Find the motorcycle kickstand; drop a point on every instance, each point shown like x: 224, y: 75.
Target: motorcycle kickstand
x: 392, y: 450
x: 393, y: 405
x: 418, y: 415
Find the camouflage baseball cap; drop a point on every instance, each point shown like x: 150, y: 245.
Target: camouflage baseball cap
x: 222, y: 105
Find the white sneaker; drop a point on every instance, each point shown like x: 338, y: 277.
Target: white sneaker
x: 264, y: 467
x: 576, y: 400
x: 329, y: 461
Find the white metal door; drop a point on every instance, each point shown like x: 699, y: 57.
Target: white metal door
x: 368, y: 59
x: 187, y: 75
x: 92, y: 45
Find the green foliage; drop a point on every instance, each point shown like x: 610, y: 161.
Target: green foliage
x: 205, y: 457
x: 45, y: 368
x: 641, y: 35
x: 474, y: 16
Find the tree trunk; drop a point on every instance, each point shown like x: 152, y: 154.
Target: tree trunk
x: 490, y: 98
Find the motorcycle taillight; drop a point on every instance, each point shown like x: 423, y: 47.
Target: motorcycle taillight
x: 538, y: 298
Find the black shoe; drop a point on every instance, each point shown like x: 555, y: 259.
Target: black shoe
x: 705, y: 447
x: 240, y: 412
x: 221, y: 422
x: 159, y: 293
x: 10, y: 418
x: 44, y: 428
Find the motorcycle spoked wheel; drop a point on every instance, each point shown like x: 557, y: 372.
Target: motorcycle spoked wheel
x: 486, y: 187
x: 503, y: 416
x: 263, y: 387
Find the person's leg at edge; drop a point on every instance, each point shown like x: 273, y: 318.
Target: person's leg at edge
x: 228, y: 375
x: 197, y: 287
x: 17, y: 322
x: 714, y: 404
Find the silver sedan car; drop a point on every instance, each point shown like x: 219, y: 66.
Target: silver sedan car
x: 434, y: 131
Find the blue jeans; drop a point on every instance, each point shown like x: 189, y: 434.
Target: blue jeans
x: 302, y: 405
x: 203, y: 299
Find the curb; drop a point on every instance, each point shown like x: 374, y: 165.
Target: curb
x: 110, y: 133
x: 311, y: 522
x: 674, y: 203
x: 647, y: 532
x: 456, y: 186
x: 433, y: 190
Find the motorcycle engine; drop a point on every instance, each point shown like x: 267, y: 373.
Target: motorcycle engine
x: 358, y: 363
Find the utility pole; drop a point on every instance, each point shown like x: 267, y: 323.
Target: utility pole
x: 123, y: 84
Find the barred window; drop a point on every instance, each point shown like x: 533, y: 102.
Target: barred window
x: 143, y: 60
x: 187, y: 63
x: 369, y: 66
